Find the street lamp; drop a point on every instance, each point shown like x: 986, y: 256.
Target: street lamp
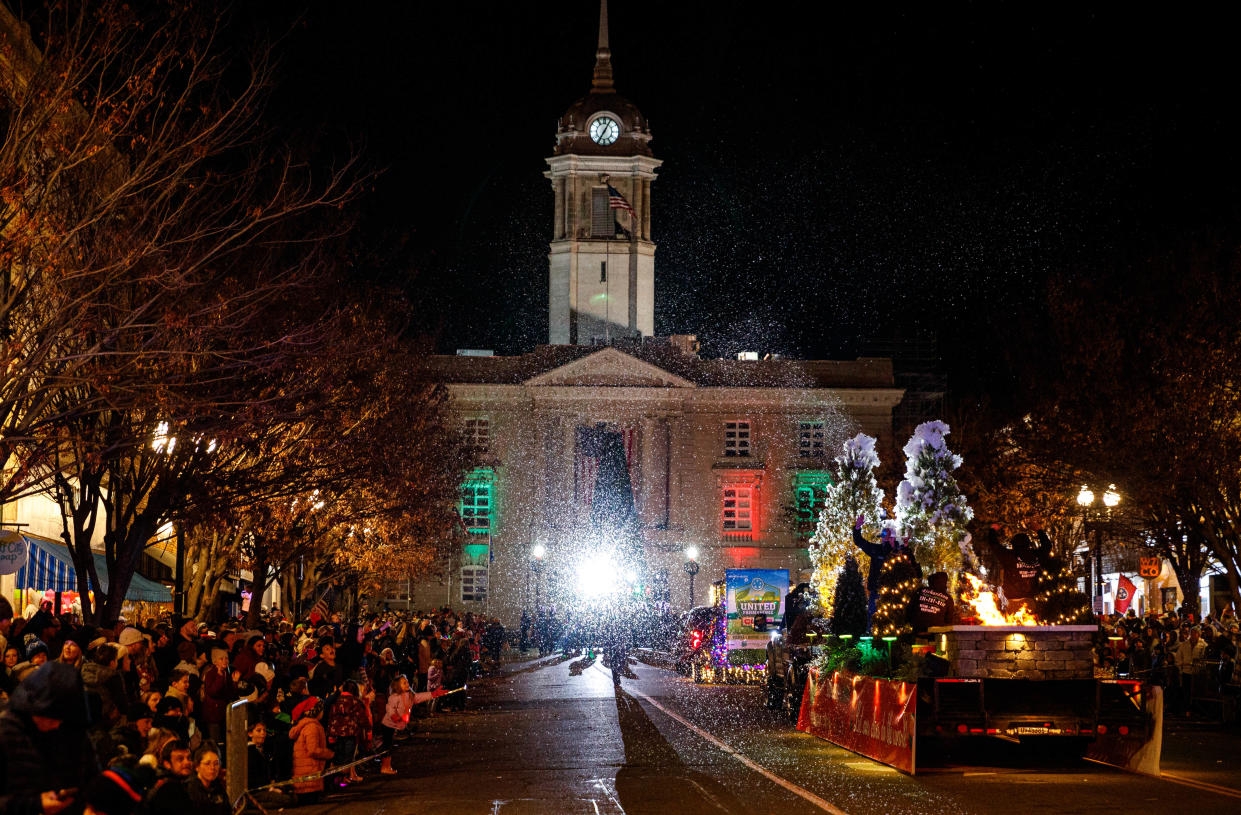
x: 1085, y: 499
x: 691, y: 569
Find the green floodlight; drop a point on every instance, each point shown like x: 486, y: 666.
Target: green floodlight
x: 846, y: 636
x: 889, y: 639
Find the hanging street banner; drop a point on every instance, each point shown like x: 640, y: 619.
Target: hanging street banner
x: 870, y: 716
x: 751, y: 594
x: 13, y: 551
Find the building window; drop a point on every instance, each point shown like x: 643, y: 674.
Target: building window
x: 602, y: 221
x: 738, y: 508
x: 473, y: 584
x: 736, y: 438
x: 477, y: 505
x: 809, y: 494
x: 811, y: 439
x: 477, y: 434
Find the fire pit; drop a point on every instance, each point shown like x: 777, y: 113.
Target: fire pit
x: 1017, y: 651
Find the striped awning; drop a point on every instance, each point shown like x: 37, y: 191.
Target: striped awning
x: 50, y: 566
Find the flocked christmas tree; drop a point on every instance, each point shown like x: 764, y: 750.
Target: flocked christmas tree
x: 853, y: 492
x: 1057, y: 600
x: 849, y: 601
x: 899, y: 579
x: 930, y: 507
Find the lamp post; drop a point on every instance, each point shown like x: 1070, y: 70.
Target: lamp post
x: 1110, y: 500
x: 691, y: 569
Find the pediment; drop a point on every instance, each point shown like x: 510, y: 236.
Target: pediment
x: 609, y: 367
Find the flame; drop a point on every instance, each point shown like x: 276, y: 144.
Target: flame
x: 987, y: 609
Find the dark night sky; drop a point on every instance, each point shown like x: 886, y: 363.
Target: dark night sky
x: 830, y: 172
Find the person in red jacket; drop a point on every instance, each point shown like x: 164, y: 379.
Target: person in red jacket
x: 348, y: 726
x: 219, y: 691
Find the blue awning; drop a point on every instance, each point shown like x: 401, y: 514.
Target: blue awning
x: 50, y: 566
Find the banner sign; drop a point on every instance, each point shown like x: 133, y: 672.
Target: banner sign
x: 750, y: 594
x: 1149, y: 567
x: 13, y: 551
x: 870, y: 716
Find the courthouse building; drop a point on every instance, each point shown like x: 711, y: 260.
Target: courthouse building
x: 728, y: 455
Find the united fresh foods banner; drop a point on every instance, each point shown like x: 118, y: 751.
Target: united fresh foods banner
x: 871, y: 716
x: 749, y: 594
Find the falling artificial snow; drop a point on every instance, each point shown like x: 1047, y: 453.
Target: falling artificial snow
x: 930, y: 507
x: 853, y: 492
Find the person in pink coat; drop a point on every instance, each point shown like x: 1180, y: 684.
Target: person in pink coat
x: 310, y: 750
x: 401, y: 701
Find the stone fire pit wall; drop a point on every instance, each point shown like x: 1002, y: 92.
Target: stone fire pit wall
x: 1017, y: 651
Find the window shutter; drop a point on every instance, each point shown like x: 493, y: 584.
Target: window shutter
x: 602, y: 222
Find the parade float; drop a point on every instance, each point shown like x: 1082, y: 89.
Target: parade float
x: 1009, y: 671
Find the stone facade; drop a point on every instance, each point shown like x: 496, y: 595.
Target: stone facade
x: 1017, y: 652
x: 675, y: 410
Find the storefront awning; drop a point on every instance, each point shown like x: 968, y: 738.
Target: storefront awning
x: 50, y: 566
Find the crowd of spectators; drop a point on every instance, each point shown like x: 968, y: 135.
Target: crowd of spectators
x: 133, y: 718
x: 1193, y: 659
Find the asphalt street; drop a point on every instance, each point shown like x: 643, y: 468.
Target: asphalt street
x: 554, y: 736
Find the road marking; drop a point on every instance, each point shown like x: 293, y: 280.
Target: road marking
x: 763, y: 771
x: 1202, y: 785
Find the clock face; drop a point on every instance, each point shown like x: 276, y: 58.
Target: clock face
x: 604, y: 131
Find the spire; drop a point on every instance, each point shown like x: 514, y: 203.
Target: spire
x: 603, y: 56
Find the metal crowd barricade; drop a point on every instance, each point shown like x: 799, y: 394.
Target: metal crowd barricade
x: 236, y: 780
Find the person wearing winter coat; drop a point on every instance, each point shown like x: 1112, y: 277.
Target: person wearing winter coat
x: 102, y: 677
x: 205, y: 788
x: 878, y: 554
x: 401, y: 701
x: 250, y: 656
x: 45, y: 750
x: 349, y: 725
x: 310, y: 750
x: 219, y: 691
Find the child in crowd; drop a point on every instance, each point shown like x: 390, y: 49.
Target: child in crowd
x: 401, y: 701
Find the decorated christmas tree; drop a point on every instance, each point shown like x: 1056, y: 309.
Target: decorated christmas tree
x: 930, y: 507
x: 899, y: 579
x: 849, y: 601
x: 853, y: 492
x: 1057, y: 600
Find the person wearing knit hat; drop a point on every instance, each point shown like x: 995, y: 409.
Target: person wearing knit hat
x: 117, y: 790
x: 310, y: 750
x: 36, y: 650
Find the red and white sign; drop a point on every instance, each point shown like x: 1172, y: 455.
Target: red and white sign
x: 870, y: 716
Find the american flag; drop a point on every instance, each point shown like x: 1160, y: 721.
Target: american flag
x: 321, y: 609
x: 586, y: 460
x: 617, y: 201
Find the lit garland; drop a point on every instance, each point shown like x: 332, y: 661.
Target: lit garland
x: 734, y: 674
x: 899, y: 579
x: 1057, y: 599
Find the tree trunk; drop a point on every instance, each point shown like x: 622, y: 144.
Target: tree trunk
x: 258, y: 567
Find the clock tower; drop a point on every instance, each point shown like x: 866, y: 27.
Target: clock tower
x: 601, y: 264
